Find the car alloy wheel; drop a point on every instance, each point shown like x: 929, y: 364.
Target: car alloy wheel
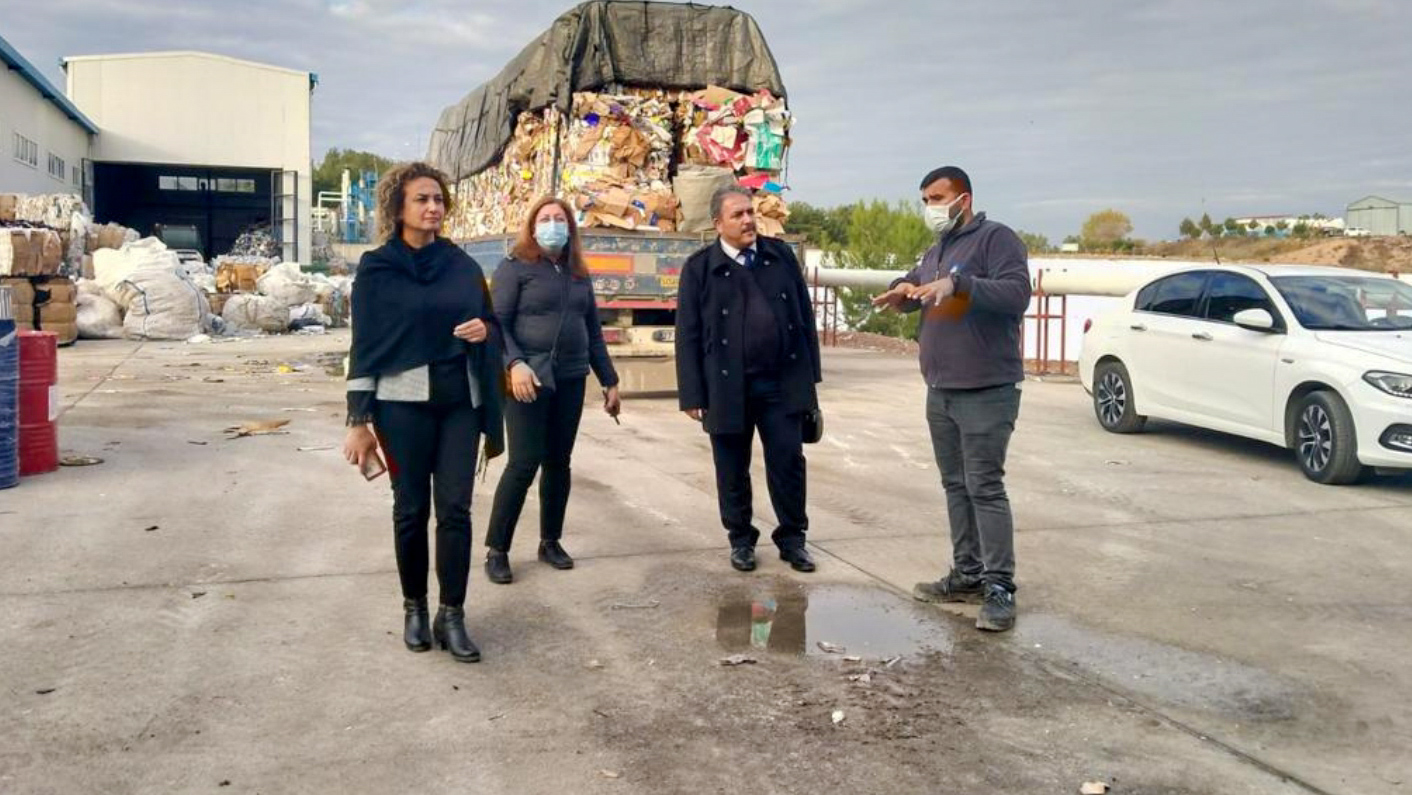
x: 1316, y: 438
x: 1112, y: 398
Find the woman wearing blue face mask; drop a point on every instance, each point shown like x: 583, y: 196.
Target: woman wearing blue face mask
x: 544, y: 301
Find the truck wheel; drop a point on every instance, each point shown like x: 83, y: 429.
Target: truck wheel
x: 1113, y: 399
x: 1325, y: 440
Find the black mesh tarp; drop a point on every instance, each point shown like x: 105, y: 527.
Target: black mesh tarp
x: 597, y: 45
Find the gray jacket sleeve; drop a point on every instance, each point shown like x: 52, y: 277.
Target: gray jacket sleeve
x: 1004, y: 287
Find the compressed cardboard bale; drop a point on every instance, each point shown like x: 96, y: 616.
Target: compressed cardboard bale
x: 19, y: 252
x: 55, y: 290
x: 21, y: 290
x: 57, y: 313
x: 9, y: 202
x: 51, y: 253
x: 67, y: 332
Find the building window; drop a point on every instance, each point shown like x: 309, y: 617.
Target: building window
x: 58, y: 169
x: 179, y: 183
x: 78, y: 176
x: 235, y: 185
x: 26, y: 151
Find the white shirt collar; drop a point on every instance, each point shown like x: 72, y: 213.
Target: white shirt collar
x: 733, y: 252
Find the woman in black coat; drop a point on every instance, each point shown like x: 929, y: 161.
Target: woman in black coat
x: 553, y: 338
x: 425, y: 381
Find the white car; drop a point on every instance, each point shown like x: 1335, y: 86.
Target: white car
x: 1318, y: 360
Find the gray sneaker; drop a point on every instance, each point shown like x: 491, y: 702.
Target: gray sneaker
x: 998, y: 611
x: 954, y: 587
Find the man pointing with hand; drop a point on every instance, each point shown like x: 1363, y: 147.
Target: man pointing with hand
x: 973, y: 287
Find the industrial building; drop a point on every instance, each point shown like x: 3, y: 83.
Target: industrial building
x: 44, y: 138
x: 1381, y: 217
x: 195, y: 139
x: 204, y: 143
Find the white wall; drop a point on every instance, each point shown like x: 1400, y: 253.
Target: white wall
x: 190, y: 108
x: 23, y: 109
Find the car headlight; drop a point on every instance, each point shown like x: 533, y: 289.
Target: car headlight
x: 1395, y: 384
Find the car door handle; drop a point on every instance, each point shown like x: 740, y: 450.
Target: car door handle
x: 1203, y: 336
x: 1138, y: 327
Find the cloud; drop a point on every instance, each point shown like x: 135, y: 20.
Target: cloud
x: 1163, y: 108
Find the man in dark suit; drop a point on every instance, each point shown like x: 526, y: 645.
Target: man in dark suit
x: 748, y: 360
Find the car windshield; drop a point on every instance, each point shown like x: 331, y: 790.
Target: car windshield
x: 1347, y: 303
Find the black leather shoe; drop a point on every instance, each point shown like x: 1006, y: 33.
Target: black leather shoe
x: 552, y: 553
x: 743, y: 558
x: 416, y: 630
x: 450, y: 631
x: 798, y: 558
x: 497, y: 567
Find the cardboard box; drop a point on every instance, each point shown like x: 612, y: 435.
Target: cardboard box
x: 9, y: 203
x: 234, y: 277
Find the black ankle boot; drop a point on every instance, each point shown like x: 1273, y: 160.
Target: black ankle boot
x: 497, y: 567
x: 552, y: 553
x: 416, y: 631
x: 450, y: 631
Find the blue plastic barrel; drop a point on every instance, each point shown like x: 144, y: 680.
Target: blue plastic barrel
x: 9, y: 393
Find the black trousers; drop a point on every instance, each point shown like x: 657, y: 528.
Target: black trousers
x: 782, y: 436
x: 432, y: 452
x: 542, y: 437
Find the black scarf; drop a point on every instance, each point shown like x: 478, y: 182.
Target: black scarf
x: 406, y: 302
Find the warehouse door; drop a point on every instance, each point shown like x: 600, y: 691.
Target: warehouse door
x: 218, y: 204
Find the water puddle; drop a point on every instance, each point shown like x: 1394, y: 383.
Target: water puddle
x: 828, y: 621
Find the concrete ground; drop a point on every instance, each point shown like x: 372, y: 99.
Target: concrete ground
x: 203, y: 614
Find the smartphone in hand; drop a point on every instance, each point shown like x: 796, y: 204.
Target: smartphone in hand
x: 372, y: 467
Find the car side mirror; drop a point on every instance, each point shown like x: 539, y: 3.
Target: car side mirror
x: 1255, y: 320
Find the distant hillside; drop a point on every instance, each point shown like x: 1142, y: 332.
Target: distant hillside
x: 1371, y: 253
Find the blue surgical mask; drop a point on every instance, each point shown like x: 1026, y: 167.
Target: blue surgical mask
x: 552, y: 235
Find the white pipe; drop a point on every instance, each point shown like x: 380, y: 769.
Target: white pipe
x: 1056, y: 276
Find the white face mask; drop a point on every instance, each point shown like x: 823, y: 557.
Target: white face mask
x: 939, y: 217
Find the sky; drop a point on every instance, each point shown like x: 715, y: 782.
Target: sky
x: 1162, y: 109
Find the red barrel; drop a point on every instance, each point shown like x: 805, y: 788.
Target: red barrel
x: 39, y: 402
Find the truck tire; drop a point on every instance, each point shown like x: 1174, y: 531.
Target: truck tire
x: 1325, y: 441
x: 1113, y: 399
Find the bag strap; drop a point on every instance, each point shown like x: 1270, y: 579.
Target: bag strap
x: 563, y: 313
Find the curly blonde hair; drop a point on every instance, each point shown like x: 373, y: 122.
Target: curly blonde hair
x: 392, y: 194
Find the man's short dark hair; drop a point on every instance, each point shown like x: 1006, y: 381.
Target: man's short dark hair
x: 952, y: 173
x: 718, y: 198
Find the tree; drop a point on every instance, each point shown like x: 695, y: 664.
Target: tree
x: 821, y: 227
x: 328, y: 175
x: 1271, y: 231
x: 1189, y: 229
x: 1300, y: 230
x: 1036, y: 244
x: 880, y: 237
x: 1105, y: 228
x: 1254, y: 226
x: 1233, y: 228
x: 1216, y: 231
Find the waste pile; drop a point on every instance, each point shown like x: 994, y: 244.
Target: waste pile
x: 620, y: 156
x: 634, y: 137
